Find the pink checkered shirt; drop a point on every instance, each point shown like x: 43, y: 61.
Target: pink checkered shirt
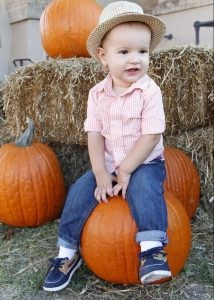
x: 123, y: 119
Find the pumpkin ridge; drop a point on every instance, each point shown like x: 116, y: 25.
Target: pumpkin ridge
x: 126, y: 243
x: 48, y: 162
x: 174, y: 184
x: 190, y: 193
x: 51, y: 32
x: 5, y: 153
x: 95, y: 231
x: 181, y: 240
x: 28, y: 150
x: 186, y: 181
x: 3, y: 171
x: 19, y: 162
x: 122, y: 245
x: 46, y: 211
x: 169, y: 175
x: 196, y: 187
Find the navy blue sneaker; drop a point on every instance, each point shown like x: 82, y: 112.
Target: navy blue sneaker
x: 153, y: 266
x: 60, y: 272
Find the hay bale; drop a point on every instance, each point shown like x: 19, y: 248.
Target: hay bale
x: 2, y: 115
x: 185, y: 76
x: 74, y: 160
x: 4, y: 133
x: 199, y: 145
x: 54, y: 93
x: 5, y: 136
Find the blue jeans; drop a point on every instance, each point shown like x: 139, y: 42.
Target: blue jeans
x: 145, y: 200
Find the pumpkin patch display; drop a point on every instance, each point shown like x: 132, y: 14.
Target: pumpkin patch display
x: 108, y: 240
x: 65, y: 26
x: 32, y: 187
x: 182, y: 179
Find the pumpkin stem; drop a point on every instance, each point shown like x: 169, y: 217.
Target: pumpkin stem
x: 26, y: 138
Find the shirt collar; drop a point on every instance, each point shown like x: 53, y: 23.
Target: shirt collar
x: 106, y: 85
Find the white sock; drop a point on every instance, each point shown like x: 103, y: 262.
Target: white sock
x: 146, y: 245
x: 66, y: 252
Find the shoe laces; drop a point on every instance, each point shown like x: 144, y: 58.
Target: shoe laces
x: 56, y: 263
x: 157, y: 253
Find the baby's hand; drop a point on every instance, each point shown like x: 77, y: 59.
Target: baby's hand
x: 122, y: 183
x: 104, y: 186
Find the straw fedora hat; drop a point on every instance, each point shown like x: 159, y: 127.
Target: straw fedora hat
x: 121, y: 12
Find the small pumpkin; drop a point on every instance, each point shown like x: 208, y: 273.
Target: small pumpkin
x: 32, y: 189
x: 182, y: 179
x: 65, y: 26
x: 108, y: 240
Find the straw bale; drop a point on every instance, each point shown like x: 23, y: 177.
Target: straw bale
x: 74, y: 160
x: 54, y: 93
x: 199, y: 145
x: 2, y: 115
x: 185, y: 76
x: 5, y: 136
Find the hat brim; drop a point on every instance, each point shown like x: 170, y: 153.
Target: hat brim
x: 97, y: 34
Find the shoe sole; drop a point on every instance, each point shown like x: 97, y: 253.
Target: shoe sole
x: 155, y: 276
x: 58, y: 288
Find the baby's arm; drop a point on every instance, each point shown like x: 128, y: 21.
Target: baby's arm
x: 103, y: 178
x: 137, y: 156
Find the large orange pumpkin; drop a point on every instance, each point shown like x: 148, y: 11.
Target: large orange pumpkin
x: 32, y: 187
x: 108, y: 240
x: 182, y: 179
x: 65, y: 26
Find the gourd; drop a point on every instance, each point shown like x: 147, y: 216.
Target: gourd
x: 32, y: 189
x: 65, y: 26
x: 182, y: 179
x: 108, y: 240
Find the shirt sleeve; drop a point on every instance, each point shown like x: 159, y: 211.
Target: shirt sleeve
x: 153, y: 117
x: 92, y: 122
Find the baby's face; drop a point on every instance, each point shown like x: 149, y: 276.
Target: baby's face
x: 125, y: 52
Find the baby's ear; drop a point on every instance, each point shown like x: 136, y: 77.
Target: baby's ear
x: 101, y: 55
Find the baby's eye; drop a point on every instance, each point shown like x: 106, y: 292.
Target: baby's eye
x: 143, y: 51
x: 123, y: 51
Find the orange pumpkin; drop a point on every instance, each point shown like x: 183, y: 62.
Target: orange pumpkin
x: 108, y: 240
x: 32, y: 187
x: 65, y: 26
x: 182, y: 179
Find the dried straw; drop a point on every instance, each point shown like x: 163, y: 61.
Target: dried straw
x: 54, y: 93
x: 74, y: 160
x: 2, y: 115
x: 185, y: 75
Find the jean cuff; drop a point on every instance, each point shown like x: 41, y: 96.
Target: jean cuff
x: 152, y: 235
x: 67, y: 244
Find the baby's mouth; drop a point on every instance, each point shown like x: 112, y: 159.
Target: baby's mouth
x: 132, y: 70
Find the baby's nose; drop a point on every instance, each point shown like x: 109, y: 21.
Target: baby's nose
x: 134, y: 58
